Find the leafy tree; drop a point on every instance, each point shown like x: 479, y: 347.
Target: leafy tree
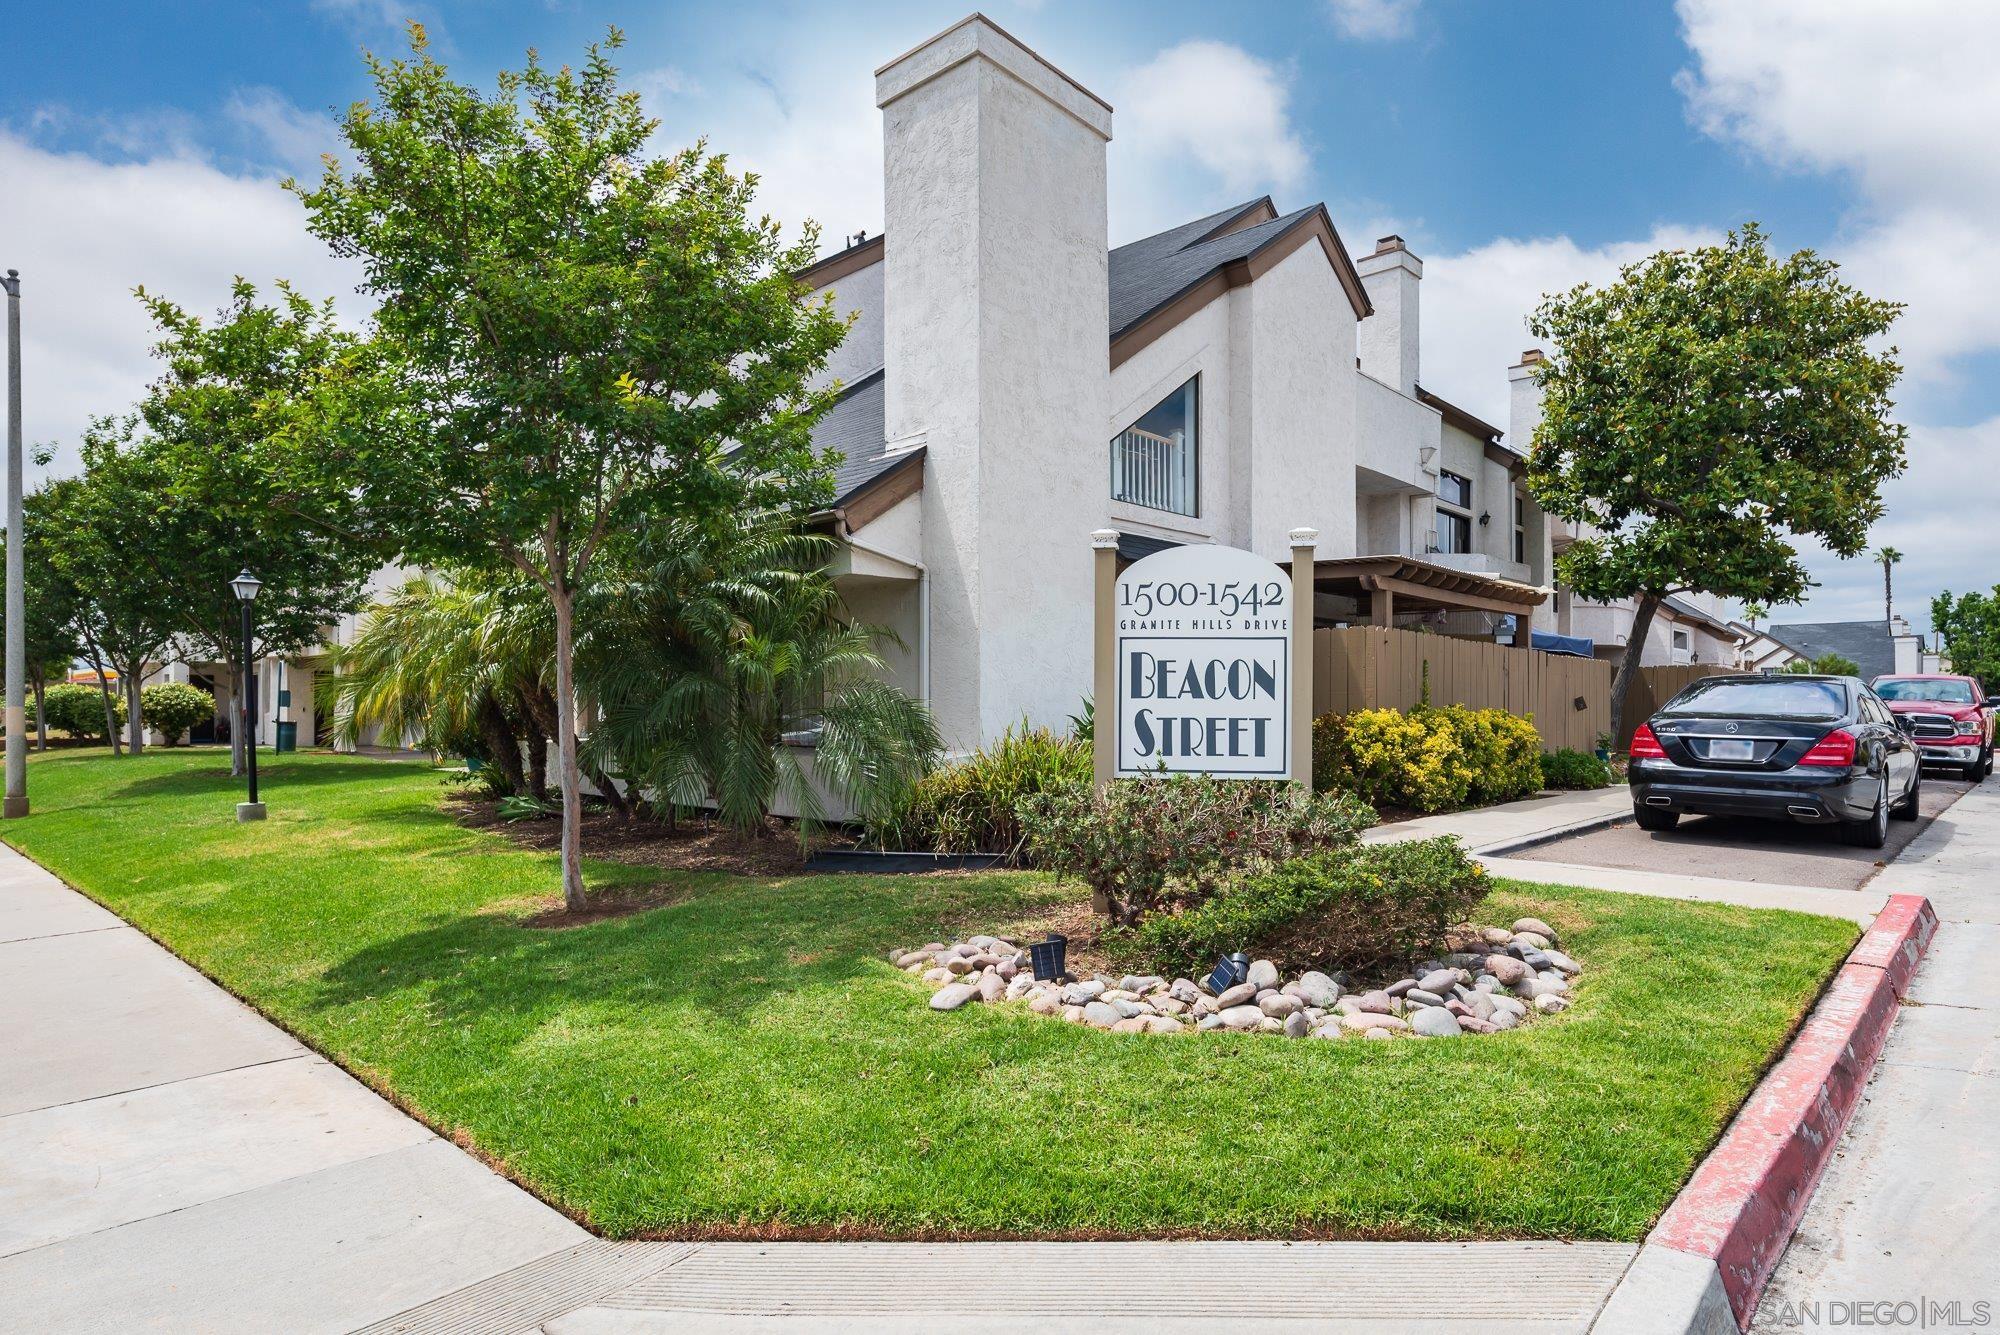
x: 574, y: 338
x: 172, y: 707
x: 1755, y: 612
x: 115, y: 554
x: 718, y: 639
x: 1888, y: 556
x: 1970, y: 626
x: 1702, y: 410
x: 50, y: 640
x: 217, y: 426
x: 1826, y: 665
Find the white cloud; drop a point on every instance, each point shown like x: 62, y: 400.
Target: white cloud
x: 1374, y: 20
x: 1202, y: 124
x: 1901, y: 101
x: 85, y: 232
x: 1476, y: 305
x: 286, y: 135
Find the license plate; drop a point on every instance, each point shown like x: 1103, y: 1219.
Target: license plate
x: 1731, y: 748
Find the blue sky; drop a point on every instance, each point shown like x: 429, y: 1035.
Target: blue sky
x: 1520, y: 148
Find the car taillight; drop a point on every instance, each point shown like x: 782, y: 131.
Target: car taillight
x: 1835, y: 750
x: 1645, y: 746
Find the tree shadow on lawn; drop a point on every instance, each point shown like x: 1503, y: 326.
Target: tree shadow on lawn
x: 730, y: 946
x: 273, y: 777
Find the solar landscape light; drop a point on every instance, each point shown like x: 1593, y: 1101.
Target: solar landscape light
x: 1229, y: 971
x: 1047, y: 959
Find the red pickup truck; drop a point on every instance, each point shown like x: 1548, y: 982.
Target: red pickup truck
x: 1949, y: 717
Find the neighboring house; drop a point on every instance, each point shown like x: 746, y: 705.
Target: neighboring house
x: 1012, y: 383
x: 288, y: 689
x: 1878, y: 647
x: 1686, y: 628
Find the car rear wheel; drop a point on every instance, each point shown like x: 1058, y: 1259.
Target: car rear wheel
x: 1874, y: 831
x: 1907, y: 808
x: 1652, y: 818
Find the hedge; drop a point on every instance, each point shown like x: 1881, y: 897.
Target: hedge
x: 1432, y: 758
x: 1354, y: 908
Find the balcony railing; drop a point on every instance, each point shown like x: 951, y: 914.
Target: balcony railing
x: 1155, y: 471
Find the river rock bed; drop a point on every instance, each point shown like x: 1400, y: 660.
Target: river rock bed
x: 1491, y: 979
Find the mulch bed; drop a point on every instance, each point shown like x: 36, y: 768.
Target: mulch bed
x: 686, y: 846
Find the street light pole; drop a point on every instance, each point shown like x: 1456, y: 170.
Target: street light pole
x: 16, y: 803
x: 246, y: 586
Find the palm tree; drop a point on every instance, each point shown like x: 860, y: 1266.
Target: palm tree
x: 1754, y: 612
x: 1888, y: 556
x: 421, y: 668
x: 722, y: 642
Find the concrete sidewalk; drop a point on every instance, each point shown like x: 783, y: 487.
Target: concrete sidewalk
x: 1513, y: 825
x: 169, y: 1159
x: 1910, y: 1209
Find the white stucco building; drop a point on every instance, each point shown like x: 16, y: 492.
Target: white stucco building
x: 1011, y: 383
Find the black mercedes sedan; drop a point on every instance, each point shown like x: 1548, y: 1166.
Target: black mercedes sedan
x: 1817, y: 750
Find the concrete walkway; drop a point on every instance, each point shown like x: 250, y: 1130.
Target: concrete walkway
x: 1512, y: 825
x: 171, y: 1160
x: 1910, y: 1209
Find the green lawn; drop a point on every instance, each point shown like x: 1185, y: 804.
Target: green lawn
x: 745, y: 1059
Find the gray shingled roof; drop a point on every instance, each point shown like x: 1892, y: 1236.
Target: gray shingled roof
x: 1147, y: 274
x: 853, y: 426
x: 1868, y: 643
x: 1144, y: 276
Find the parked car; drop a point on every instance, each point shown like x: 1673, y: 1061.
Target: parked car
x: 1949, y: 716
x: 1816, y: 750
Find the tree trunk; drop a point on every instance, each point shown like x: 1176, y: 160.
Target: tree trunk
x: 110, y: 713
x: 41, y: 715
x: 1628, y: 669
x: 502, y: 745
x: 612, y: 796
x: 538, y: 763
x: 572, y: 798
x: 239, y: 725
x: 135, y: 723
x: 1888, y: 593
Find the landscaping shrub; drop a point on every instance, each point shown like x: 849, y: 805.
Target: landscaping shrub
x: 1146, y: 844
x: 1570, y: 768
x: 1348, y: 908
x: 1433, y: 758
x: 970, y: 806
x: 172, y: 707
x: 79, y: 710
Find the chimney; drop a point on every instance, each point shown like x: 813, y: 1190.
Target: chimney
x: 1388, y: 338
x: 1524, y: 400
x: 998, y: 357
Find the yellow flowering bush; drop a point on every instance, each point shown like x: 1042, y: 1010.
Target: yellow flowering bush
x: 1430, y: 758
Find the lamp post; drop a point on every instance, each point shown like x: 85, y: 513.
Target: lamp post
x: 16, y: 803
x: 246, y: 586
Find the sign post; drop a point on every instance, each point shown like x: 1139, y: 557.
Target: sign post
x: 1304, y: 543
x: 1104, y: 681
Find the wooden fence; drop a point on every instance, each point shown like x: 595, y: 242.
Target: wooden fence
x: 1367, y: 667
x: 1657, y: 685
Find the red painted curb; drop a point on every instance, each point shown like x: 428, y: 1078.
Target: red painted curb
x: 1743, y: 1202
x: 1897, y: 939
